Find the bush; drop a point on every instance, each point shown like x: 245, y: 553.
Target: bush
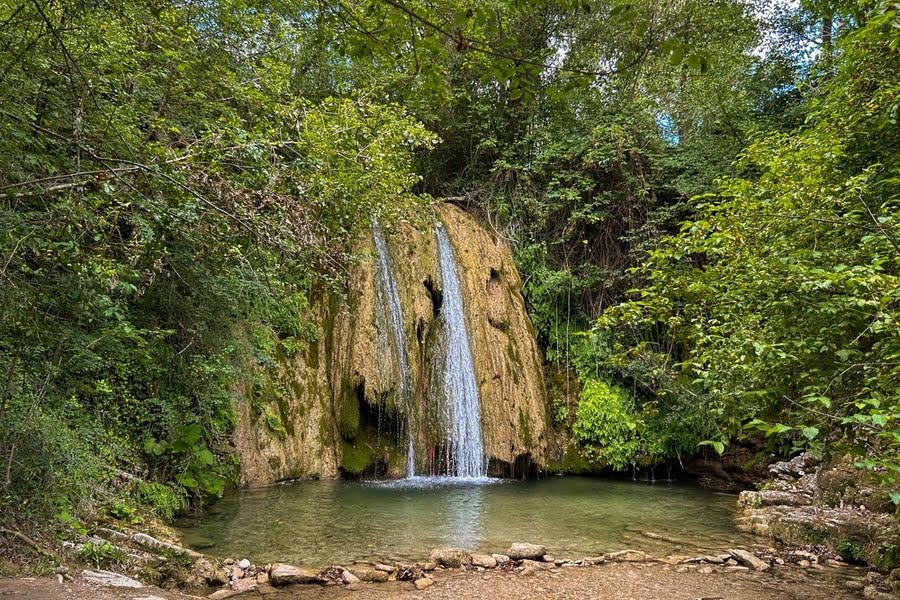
x: 605, y: 424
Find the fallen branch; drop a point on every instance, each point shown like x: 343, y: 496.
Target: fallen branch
x: 31, y: 543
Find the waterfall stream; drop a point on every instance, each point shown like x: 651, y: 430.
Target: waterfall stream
x: 389, y: 297
x: 462, y: 411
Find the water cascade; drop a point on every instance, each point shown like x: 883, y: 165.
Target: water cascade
x: 389, y: 298
x: 462, y: 409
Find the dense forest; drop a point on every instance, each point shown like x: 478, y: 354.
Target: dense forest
x: 701, y: 197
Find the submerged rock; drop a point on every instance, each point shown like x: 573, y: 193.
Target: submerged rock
x: 282, y: 574
x: 519, y: 551
x: 450, y: 557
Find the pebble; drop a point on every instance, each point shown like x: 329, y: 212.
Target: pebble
x: 244, y: 564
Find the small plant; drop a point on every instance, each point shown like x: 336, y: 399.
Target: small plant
x: 273, y: 422
x: 850, y: 551
x: 123, y: 511
x: 102, y: 555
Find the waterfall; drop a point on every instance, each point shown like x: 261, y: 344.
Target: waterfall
x: 462, y: 411
x: 389, y: 298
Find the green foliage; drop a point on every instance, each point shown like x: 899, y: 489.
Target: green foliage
x: 166, y: 501
x: 103, y: 556
x: 163, y: 186
x: 777, y: 304
x: 850, y: 550
x: 604, y: 423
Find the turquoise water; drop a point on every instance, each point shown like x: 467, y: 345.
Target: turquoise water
x: 318, y: 523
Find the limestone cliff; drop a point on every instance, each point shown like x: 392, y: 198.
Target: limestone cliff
x: 341, y: 409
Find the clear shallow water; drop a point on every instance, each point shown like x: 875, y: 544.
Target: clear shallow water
x: 317, y: 523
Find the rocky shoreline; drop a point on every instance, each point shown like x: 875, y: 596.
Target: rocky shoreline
x: 218, y: 579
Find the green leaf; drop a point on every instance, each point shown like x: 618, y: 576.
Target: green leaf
x: 810, y: 433
x: 718, y: 446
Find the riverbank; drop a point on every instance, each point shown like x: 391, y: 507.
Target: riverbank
x: 609, y: 581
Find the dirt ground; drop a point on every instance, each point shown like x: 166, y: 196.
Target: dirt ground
x: 619, y: 581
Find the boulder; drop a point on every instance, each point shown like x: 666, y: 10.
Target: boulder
x: 282, y: 574
x: 450, y: 557
x: 748, y: 559
x: 349, y: 577
x: 484, y: 560
x: 521, y: 551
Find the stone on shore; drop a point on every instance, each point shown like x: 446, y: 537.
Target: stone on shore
x: 520, y: 551
x: 450, y: 557
x: 424, y: 582
x: 349, y: 577
x: 484, y: 560
x: 370, y: 574
x: 627, y: 556
x: 748, y: 559
x: 282, y: 574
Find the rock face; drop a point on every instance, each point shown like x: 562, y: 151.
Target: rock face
x: 833, y: 504
x: 318, y: 411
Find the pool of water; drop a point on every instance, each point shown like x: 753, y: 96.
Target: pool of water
x: 317, y: 523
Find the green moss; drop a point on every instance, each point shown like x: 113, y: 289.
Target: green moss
x: 348, y: 421
x: 274, y: 423
x: 574, y: 462
x: 356, y: 458
x: 525, y: 428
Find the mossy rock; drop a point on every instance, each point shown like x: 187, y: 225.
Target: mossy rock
x: 356, y: 457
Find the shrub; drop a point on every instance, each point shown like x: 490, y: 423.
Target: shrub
x: 605, y: 424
